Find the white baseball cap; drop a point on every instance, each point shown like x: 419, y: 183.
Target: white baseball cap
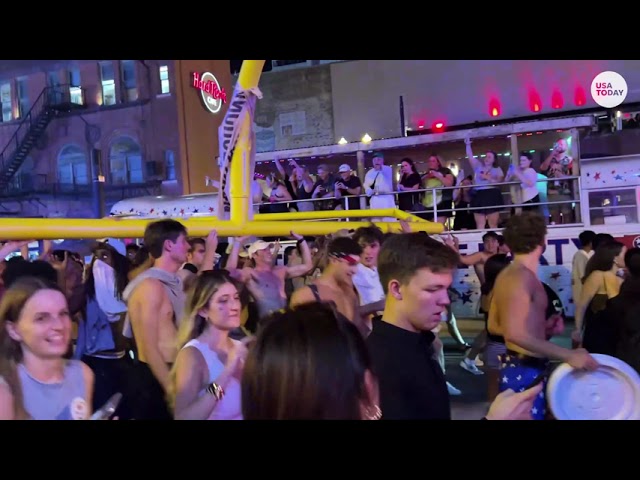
x: 344, y: 168
x: 258, y: 246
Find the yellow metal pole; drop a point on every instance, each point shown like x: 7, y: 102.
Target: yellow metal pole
x: 77, y: 228
x: 240, y: 195
x: 320, y: 215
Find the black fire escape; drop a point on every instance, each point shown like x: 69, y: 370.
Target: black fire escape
x: 52, y: 102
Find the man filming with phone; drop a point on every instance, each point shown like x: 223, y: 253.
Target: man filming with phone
x: 559, y: 164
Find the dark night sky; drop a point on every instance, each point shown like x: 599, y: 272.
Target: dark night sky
x: 236, y: 64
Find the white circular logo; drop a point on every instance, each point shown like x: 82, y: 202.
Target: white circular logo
x: 79, y: 409
x: 609, y: 89
x: 636, y: 242
x: 211, y: 92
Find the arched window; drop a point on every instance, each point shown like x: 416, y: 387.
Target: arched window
x: 125, y: 161
x: 73, y: 167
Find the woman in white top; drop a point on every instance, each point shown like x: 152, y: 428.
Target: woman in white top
x: 206, y: 375
x: 529, y: 181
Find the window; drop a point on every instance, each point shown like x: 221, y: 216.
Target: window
x: 125, y: 162
x: 23, y: 97
x: 108, y: 84
x: 73, y: 166
x: 165, y: 87
x: 293, y: 123
x: 75, y: 91
x: 128, y: 70
x: 170, y: 164
x: 54, y: 94
x: 5, y: 100
x: 614, y: 206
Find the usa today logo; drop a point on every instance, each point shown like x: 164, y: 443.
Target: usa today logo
x: 609, y: 89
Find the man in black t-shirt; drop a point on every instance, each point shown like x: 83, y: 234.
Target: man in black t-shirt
x: 324, y: 188
x: 416, y: 272
x: 348, y: 184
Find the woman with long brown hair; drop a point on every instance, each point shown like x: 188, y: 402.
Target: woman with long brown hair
x: 309, y: 364
x: 206, y: 376
x: 36, y: 381
x: 600, y: 283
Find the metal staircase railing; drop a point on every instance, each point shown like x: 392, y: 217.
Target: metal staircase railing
x: 51, y: 101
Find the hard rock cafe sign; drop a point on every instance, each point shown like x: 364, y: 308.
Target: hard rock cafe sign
x: 213, y: 96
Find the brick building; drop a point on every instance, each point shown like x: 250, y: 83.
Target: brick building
x: 60, y: 116
x: 137, y: 123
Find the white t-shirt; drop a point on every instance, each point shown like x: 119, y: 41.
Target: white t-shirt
x: 367, y: 282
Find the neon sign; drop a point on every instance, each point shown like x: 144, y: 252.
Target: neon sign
x: 213, y: 96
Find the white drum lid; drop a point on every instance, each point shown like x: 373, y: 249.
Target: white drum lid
x: 612, y: 392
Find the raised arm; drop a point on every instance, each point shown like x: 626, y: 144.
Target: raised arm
x: 211, y: 245
x: 474, y: 258
x: 232, y: 262
x: 307, y: 261
x: 475, y: 163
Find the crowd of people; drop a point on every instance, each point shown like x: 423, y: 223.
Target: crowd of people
x: 462, y: 202
x: 346, y: 327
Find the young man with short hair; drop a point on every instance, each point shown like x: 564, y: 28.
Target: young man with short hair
x: 335, y: 285
x: 367, y: 279
x: 416, y: 272
x: 155, y: 301
x: 518, y: 313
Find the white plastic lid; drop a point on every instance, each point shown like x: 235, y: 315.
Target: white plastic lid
x: 612, y: 392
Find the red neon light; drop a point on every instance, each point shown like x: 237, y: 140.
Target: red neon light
x: 494, y: 107
x: 421, y: 124
x: 556, y: 99
x: 580, y: 98
x: 438, y: 126
x: 535, y: 102
x: 209, y: 87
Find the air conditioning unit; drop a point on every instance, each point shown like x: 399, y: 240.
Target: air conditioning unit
x: 154, y: 170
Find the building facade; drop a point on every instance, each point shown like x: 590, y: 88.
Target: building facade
x: 125, y: 123
x: 145, y: 128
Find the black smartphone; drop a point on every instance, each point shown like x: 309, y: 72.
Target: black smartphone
x: 108, y: 409
x: 541, y: 377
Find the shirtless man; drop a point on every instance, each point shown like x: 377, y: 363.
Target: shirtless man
x: 518, y: 313
x: 335, y: 285
x: 155, y: 301
x: 491, y: 244
x: 266, y: 281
